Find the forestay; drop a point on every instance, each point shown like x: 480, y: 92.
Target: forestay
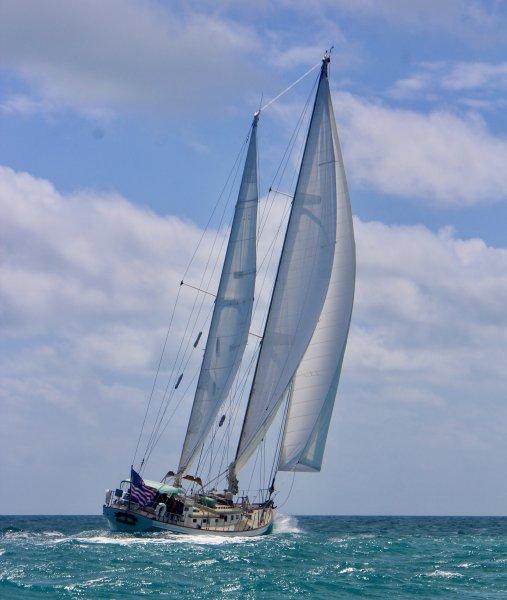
x: 232, y: 313
x: 302, y: 279
x: 315, y: 383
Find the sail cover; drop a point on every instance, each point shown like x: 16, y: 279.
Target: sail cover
x: 232, y: 313
x: 303, y: 276
x: 316, y: 381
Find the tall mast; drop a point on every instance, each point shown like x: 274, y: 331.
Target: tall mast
x: 230, y: 323
x: 302, y: 277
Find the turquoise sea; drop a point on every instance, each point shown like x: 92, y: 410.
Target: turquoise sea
x: 308, y: 557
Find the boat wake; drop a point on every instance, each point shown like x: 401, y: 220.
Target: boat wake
x: 283, y: 524
x: 124, y: 539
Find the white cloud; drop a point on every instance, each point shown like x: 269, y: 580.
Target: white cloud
x: 472, y: 20
x: 130, y: 55
x: 441, y: 157
x: 436, y: 80
x: 86, y: 288
x: 470, y: 75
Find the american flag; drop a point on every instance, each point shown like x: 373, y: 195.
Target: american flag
x: 139, y: 491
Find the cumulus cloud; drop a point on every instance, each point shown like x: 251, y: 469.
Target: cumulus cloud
x: 470, y: 83
x: 472, y: 75
x: 441, y: 157
x: 130, y: 55
x: 472, y: 20
x: 86, y: 288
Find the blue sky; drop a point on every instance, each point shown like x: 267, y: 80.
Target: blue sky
x: 118, y: 124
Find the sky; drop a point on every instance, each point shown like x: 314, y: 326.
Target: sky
x: 119, y: 123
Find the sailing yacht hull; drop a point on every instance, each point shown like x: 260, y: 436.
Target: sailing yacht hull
x: 129, y: 522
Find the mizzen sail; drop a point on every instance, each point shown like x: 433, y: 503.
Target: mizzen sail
x: 303, y: 276
x: 232, y: 313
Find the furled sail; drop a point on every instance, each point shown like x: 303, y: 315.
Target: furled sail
x: 316, y: 381
x: 303, y: 276
x: 232, y: 313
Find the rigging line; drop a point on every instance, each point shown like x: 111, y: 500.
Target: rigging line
x: 290, y: 491
x: 170, y: 417
x: 218, y: 256
x: 278, y: 448
x: 199, y: 459
x: 173, y: 369
x: 161, y: 432
x: 211, y: 458
x: 198, y: 289
x: 236, y: 409
x: 156, y: 375
x: 156, y: 437
x: 235, y: 402
x: 253, y: 468
x: 215, y: 432
x: 230, y: 408
x: 286, y: 209
x: 232, y: 404
x: 291, y: 86
x: 186, y: 356
x: 180, y: 358
x: 238, y: 157
x: 183, y: 356
x: 285, y: 157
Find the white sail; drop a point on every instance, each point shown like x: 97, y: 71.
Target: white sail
x: 303, y: 276
x: 232, y: 313
x: 316, y: 380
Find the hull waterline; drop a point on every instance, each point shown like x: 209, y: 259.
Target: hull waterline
x: 125, y: 521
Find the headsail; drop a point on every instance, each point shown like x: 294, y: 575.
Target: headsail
x: 303, y: 275
x: 316, y: 380
x: 232, y: 313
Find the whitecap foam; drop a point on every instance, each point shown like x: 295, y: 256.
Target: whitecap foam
x: 349, y: 538
x: 120, y: 539
x: 32, y: 535
x: 444, y: 574
x: 347, y: 570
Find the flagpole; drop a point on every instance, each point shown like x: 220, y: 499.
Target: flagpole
x: 130, y: 486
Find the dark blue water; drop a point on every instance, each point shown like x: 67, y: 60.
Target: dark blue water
x: 309, y: 557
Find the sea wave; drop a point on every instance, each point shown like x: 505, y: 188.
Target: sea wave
x: 444, y: 574
x: 286, y: 524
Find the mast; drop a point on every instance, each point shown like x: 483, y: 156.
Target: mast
x: 302, y: 279
x: 232, y: 313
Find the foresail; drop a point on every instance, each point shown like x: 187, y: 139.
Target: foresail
x: 316, y: 380
x: 302, y: 278
x: 232, y: 313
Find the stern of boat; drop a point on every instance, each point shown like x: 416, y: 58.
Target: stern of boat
x: 121, y: 519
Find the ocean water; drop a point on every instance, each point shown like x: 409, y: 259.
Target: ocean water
x: 308, y: 557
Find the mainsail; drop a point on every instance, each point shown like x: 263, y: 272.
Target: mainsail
x: 304, y: 273
x: 232, y: 313
x: 316, y: 381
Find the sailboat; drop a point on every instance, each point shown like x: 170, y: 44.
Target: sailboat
x: 300, y: 353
